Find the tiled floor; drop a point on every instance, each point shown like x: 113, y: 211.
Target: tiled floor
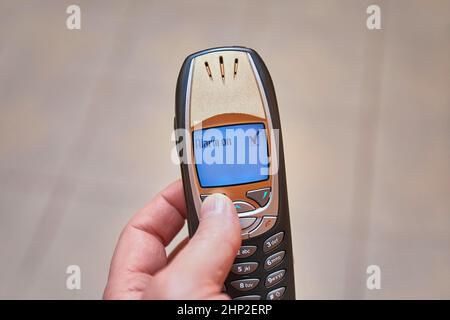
x: 86, y: 119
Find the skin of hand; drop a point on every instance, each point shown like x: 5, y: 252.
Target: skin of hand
x: 196, y: 269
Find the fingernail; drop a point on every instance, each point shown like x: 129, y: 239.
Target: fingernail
x: 216, y: 203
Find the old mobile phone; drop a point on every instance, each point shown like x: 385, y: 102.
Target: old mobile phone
x: 227, y: 108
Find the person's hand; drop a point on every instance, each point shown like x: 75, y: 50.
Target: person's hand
x: 196, y: 269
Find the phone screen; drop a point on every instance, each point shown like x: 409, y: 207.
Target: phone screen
x: 231, y: 155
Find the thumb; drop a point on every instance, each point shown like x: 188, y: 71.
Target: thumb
x: 206, y: 260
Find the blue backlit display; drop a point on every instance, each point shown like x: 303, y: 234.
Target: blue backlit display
x: 231, y: 155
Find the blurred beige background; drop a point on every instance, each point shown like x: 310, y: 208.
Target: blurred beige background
x: 86, y: 121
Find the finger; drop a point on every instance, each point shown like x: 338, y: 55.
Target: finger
x: 206, y: 260
x: 141, y: 247
x: 177, y: 249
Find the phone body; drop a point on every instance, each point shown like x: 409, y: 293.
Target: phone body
x: 225, y: 104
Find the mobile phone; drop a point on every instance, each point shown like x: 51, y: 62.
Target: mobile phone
x: 232, y: 144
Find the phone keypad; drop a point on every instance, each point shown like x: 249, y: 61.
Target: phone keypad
x: 246, y: 251
x: 266, y: 223
x: 245, y: 284
x: 246, y: 222
x: 242, y: 206
x: 244, y: 267
x: 272, y: 281
x: 274, y: 278
x: 253, y: 226
x: 260, y: 196
x: 274, y: 260
x: 273, y: 242
x: 276, y: 294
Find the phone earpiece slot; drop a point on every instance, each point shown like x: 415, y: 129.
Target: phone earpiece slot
x: 208, y: 70
x: 222, y: 67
